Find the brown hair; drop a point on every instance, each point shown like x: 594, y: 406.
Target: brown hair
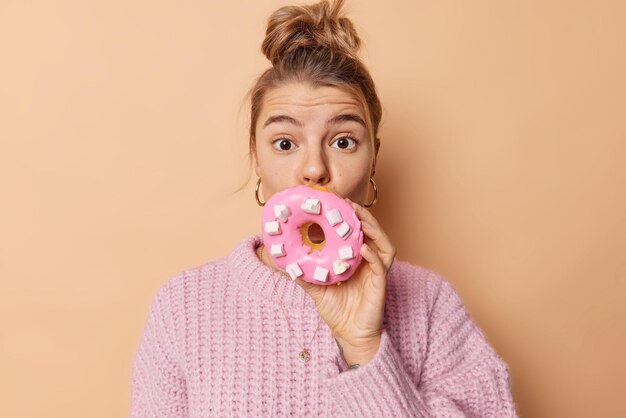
x: 314, y: 44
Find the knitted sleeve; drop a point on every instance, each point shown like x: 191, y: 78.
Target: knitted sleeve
x: 158, y: 384
x: 461, y: 376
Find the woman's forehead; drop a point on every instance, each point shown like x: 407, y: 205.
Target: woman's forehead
x: 303, y: 98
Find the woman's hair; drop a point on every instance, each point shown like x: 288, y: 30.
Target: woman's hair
x: 314, y: 44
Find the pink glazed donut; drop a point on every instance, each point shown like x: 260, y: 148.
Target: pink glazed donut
x: 286, y: 217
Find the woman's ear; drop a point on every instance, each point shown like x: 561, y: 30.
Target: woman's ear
x: 376, y: 149
x: 255, y: 163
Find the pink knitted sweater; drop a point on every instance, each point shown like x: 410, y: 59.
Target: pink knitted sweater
x: 216, y: 343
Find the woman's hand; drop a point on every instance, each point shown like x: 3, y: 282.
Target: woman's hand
x: 354, y: 310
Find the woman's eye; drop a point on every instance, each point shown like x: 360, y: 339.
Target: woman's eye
x: 344, y: 143
x: 283, y: 144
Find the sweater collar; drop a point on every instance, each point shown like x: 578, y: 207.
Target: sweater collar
x: 260, y: 279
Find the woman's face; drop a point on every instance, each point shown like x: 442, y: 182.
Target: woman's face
x: 315, y: 136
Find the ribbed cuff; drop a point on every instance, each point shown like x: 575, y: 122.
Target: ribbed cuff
x: 379, y: 388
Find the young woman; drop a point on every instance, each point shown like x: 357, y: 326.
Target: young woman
x: 238, y: 337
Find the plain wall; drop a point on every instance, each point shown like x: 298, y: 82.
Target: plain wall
x: 123, y: 142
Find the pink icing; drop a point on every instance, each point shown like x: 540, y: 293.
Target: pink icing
x: 296, y: 251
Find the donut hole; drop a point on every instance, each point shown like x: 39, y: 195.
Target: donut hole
x: 313, y: 236
x: 316, y: 233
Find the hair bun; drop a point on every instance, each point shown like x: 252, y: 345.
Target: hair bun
x: 314, y: 26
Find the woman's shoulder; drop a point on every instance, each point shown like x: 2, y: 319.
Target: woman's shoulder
x: 190, y: 285
x: 408, y: 275
x: 207, y: 278
x: 411, y: 283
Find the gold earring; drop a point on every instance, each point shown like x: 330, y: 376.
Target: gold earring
x: 256, y: 193
x: 373, y: 202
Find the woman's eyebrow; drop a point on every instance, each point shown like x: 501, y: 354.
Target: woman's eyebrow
x: 346, y: 117
x: 282, y: 118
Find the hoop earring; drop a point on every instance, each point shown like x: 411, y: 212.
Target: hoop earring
x: 373, y: 202
x: 256, y: 193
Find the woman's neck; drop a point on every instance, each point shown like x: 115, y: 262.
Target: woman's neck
x: 264, y: 257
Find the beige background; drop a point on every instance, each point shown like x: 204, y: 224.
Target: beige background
x: 123, y: 141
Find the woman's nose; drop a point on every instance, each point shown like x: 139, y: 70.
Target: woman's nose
x: 315, y: 168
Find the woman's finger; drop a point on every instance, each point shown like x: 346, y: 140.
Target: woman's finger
x: 376, y: 265
x: 377, y: 250
x: 373, y: 230
x: 382, y: 245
